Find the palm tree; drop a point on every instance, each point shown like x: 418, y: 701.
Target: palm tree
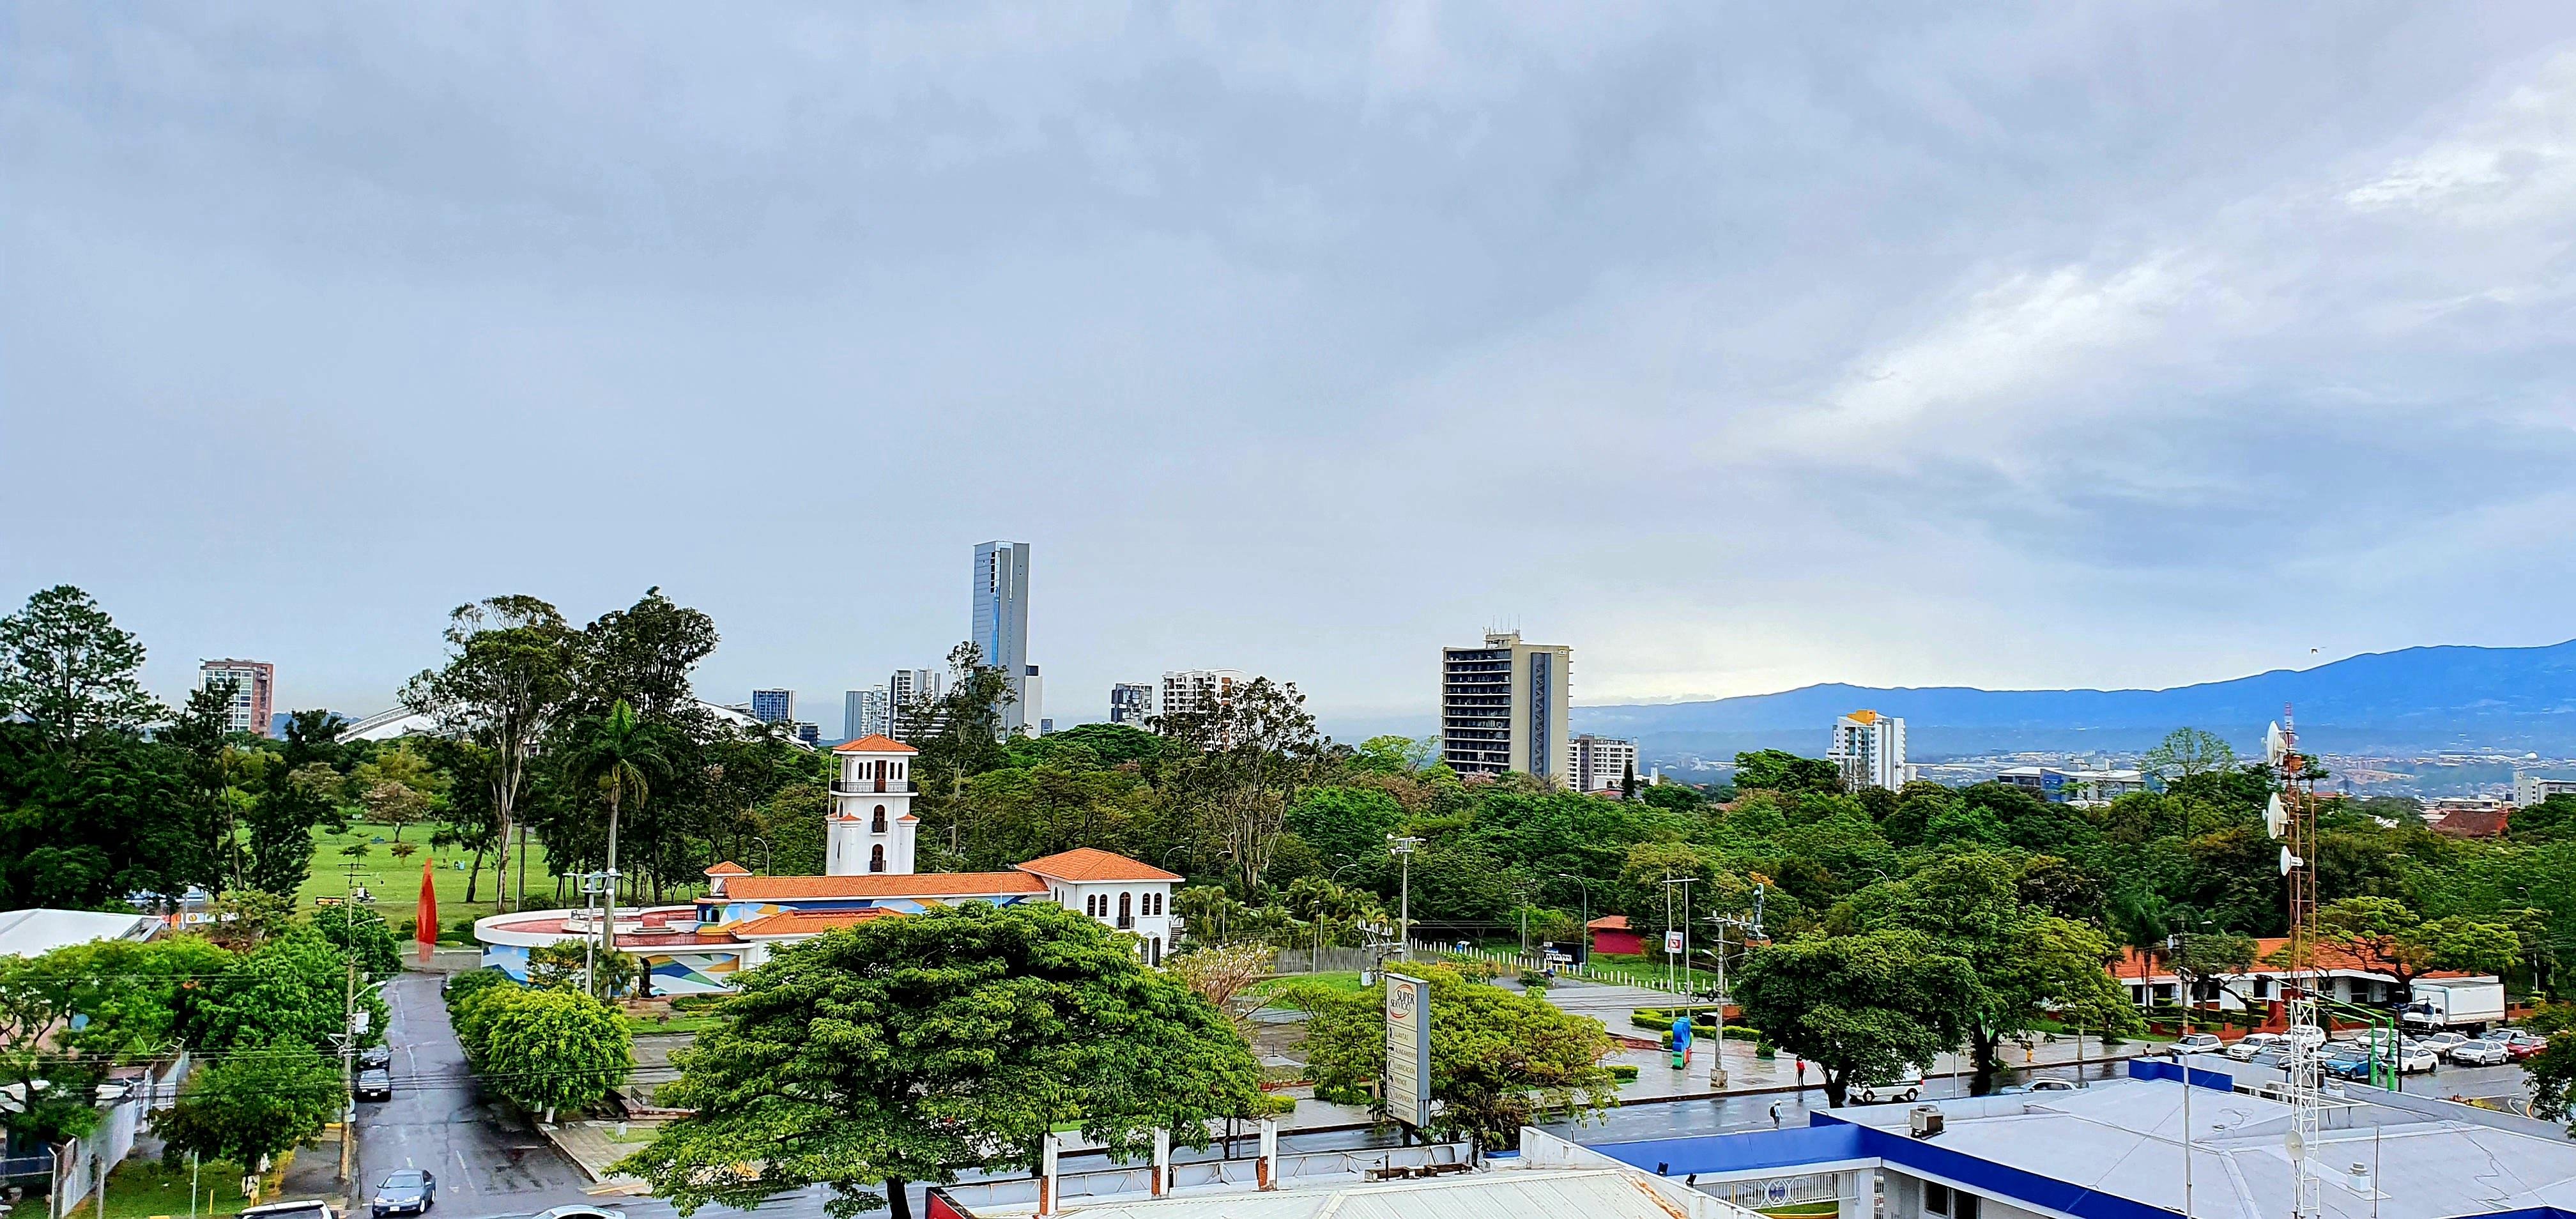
x: 621, y: 754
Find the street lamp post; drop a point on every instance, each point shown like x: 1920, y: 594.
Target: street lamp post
x: 1682, y: 986
x: 1403, y: 848
x: 1585, y: 939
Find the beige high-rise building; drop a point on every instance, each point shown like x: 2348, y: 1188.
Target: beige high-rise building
x: 1870, y: 749
x: 1504, y: 706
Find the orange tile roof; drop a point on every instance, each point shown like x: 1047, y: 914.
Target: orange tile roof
x: 1609, y: 922
x: 805, y: 922
x: 874, y: 743
x: 1091, y: 863
x: 883, y: 884
x: 2135, y: 963
x: 728, y: 868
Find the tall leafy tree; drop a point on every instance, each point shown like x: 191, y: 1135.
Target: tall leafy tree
x: 1240, y: 763
x: 505, y: 677
x: 67, y: 667
x: 1861, y: 1007
x: 913, y: 1049
x: 1499, y: 1060
x: 548, y: 1049
x: 252, y: 1107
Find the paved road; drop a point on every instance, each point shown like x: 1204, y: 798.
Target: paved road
x: 439, y: 1121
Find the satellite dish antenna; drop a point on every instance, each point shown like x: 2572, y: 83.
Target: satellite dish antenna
x: 2275, y: 818
x: 2275, y: 746
x: 2289, y: 861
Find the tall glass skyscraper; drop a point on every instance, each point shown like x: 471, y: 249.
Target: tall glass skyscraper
x: 1001, y: 625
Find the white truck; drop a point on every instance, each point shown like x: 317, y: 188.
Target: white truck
x: 2460, y: 1004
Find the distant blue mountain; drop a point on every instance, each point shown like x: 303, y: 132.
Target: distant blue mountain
x: 2418, y: 698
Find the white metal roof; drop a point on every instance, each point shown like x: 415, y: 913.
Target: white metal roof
x: 1507, y: 1194
x: 33, y: 933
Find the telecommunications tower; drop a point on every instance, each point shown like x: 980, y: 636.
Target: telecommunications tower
x: 2292, y: 818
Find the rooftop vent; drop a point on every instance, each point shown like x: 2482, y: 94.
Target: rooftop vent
x: 1924, y: 1121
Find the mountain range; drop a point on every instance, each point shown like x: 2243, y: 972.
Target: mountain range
x: 2416, y: 699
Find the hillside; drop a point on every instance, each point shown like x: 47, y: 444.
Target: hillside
x: 2419, y: 698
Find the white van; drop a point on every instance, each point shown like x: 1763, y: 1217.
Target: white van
x: 1907, y: 1086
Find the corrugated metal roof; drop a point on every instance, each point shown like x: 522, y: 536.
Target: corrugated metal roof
x: 1507, y: 1194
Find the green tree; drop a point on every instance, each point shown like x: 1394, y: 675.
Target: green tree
x: 912, y: 1049
x: 1781, y: 771
x: 359, y: 931
x: 1861, y: 1007
x: 1347, y: 825
x: 1240, y: 763
x: 2187, y: 754
x: 572, y: 964
x: 2387, y: 935
x: 291, y: 989
x: 67, y: 667
x: 129, y: 994
x: 1499, y: 1060
x: 2551, y: 1073
x: 253, y: 1105
x: 548, y: 1049
x: 507, y: 673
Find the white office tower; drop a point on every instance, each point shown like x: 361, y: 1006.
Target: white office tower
x: 866, y: 713
x: 871, y: 825
x: 1001, y: 623
x: 1870, y: 749
x: 1032, y: 704
x: 1503, y: 707
x: 1130, y: 703
x: 1602, y: 763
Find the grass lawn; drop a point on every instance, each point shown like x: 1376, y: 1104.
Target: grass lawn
x: 142, y: 1188
x: 641, y: 1025
x: 395, y: 883
x: 1344, y: 982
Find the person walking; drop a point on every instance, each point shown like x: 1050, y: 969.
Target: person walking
x: 1775, y: 1115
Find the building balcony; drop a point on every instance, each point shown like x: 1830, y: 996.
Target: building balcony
x: 873, y: 787
x: 1126, y: 922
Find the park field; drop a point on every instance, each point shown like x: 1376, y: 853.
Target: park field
x: 395, y: 883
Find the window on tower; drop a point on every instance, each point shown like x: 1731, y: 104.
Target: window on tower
x: 876, y: 858
x: 879, y: 825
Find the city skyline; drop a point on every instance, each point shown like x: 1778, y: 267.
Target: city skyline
x: 2075, y: 331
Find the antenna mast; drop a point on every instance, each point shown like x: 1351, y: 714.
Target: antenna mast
x: 2292, y: 818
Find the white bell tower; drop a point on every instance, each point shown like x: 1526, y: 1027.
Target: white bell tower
x: 871, y: 826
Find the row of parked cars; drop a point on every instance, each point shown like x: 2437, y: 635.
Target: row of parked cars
x: 2348, y: 1055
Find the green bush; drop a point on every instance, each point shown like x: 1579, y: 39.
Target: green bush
x: 1738, y: 1032
x: 1273, y: 1104
x: 1624, y: 1072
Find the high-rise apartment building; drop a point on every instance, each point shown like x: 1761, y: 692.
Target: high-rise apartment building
x: 865, y: 713
x: 774, y: 706
x: 1187, y: 691
x: 1504, y: 707
x: 1130, y: 702
x: 254, y: 685
x: 809, y: 732
x: 1001, y: 623
x: 1601, y: 763
x: 906, y: 692
x: 1870, y: 749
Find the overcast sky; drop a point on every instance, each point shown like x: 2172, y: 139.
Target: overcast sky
x: 1740, y: 346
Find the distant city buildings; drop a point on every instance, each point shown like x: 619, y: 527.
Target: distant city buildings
x: 1189, y: 691
x: 809, y: 732
x: 1601, y: 763
x: 254, y: 685
x: 1504, y: 707
x: 1000, y: 627
x: 2469, y: 816
x: 774, y: 706
x: 866, y: 713
x: 2082, y: 788
x: 1870, y: 749
x: 906, y: 693
x: 1130, y: 702
x: 2529, y: 790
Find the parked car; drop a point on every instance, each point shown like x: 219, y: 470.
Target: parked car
x: 580, y: 1210
x: 2416, y: 1058
x: 310, y: 1208
x: 2052, y: 1085
x: 405, y: 1191
x: 2305, y: 1034
x: 2518, y: 1043
x: 2254, y: 1043
x: 2480, y: 1053
x: 2199, y: 1043
x: 1907, y: 1087
x: 2442, y: 1042
x: 2348, y: 1066
x: 375, y: 1085
x: 375, y: 1056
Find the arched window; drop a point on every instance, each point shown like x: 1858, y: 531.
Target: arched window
x: 1154, y: 950
x: 879, y: 825
x: 876, y: 858
x: 1126, y: 917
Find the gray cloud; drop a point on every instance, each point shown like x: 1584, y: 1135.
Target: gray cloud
x: 1740, y: 348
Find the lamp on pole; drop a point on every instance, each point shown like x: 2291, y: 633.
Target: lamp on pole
x: 1586, y: 935
x: 1403, y: 848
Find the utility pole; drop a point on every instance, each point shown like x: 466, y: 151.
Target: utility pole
x: 1682, y: 987
x: 1403, y: 848
x: 348, y: 1038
